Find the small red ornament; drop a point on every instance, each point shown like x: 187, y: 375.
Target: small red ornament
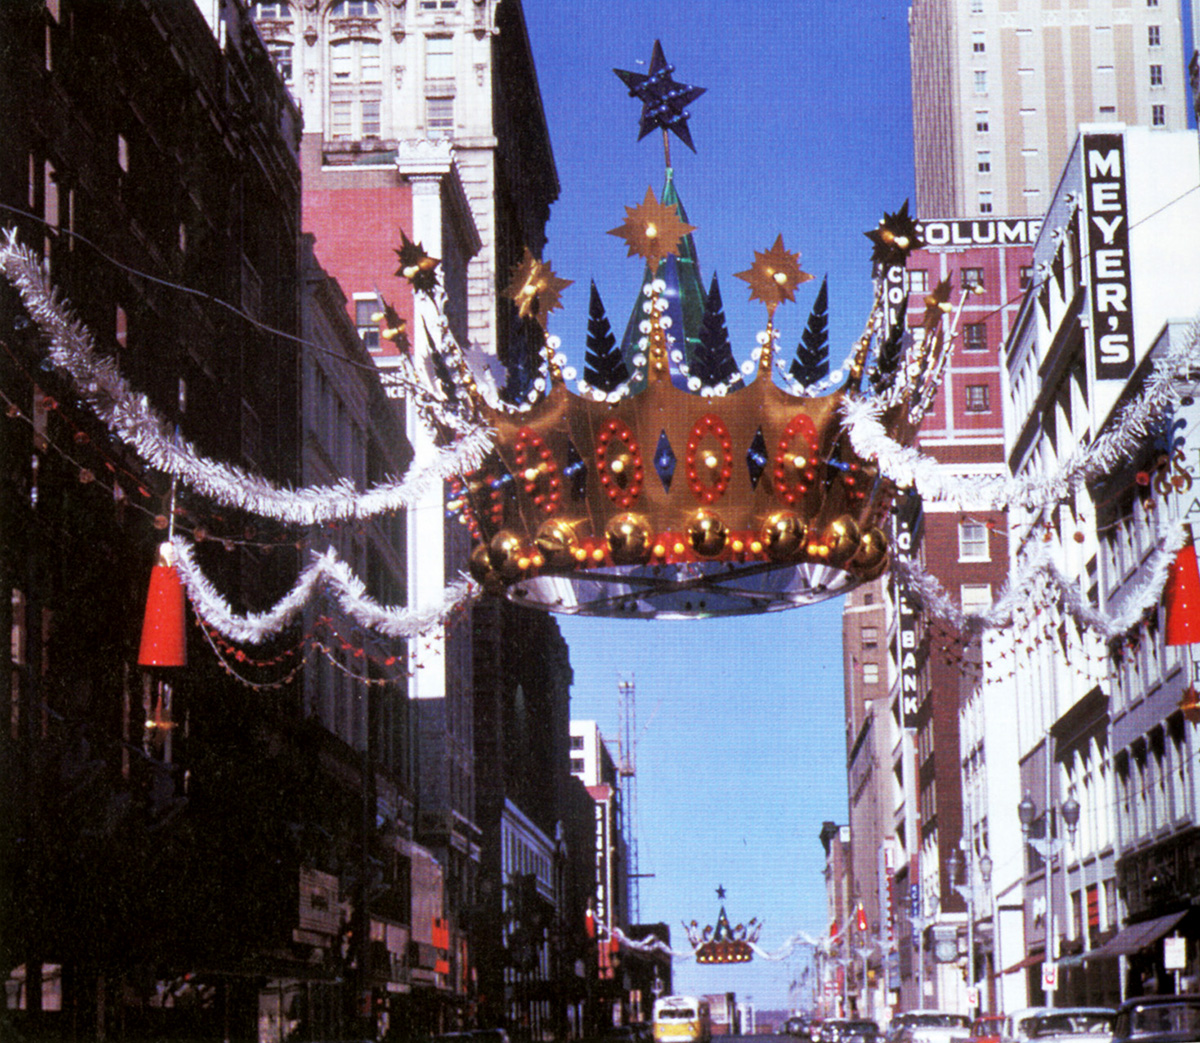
x: 164, y: 633
x: 1182, y: 596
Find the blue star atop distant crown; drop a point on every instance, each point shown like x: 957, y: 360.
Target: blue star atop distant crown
x: 663, y: 100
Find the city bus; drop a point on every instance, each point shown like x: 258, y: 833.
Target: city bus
x: 682, y: 1019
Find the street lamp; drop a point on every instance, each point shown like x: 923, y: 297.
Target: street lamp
x: 967, y: 891
x: 1047, y: 847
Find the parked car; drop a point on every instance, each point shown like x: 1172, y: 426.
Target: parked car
x: 988, y: 1028
x: 1158, y: 1019
x: 1017, y: 1023
x: 928, y: 1026
x: 860, y: 1031
x: 1072, y: 1025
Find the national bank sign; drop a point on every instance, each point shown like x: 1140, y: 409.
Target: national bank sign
x: 1000, y: 231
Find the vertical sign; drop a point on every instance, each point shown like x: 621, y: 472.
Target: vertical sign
x: 906, y: 631
x: 1108, y: 244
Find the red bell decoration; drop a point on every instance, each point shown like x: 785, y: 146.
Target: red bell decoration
x: 1182, y: 595
x: 164, y: 629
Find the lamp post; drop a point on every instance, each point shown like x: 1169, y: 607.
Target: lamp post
x: 967, y: 891
x: 1048, y: 847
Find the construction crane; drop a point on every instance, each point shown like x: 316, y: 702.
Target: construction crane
x: 627, y: 772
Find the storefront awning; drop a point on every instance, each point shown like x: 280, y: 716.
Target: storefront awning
x: 1137, y: 936
x: 1032, y: 960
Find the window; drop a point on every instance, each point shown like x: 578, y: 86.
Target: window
x: 977, y: 398
x: 976, y: 6
x: 975, y: 336
x: 870, y: 673
x: 975, y: 597
x: 576, y: 764
x: 918, y: 281
x: 1158, y: 115
x: 870, y: 637
x: 1156, y: 77
x: 577, y: 742
x: 340, y: 112
x: 1025, y: 274
x: 275, y: 10
x: 983, y: 161
x: 354, y: 9
x: 370, y: 118
x: 439, y: 58
x: 341, y: 59
x: 439, y: 117
x: 281, y: 55
x: 985, y: 200
x: 978, y: 43
x: 365, y: 306
x: 438, y: 5
x: 981, y: 81
x: 1154, y: 35
x: 1151, y: 3
x: 972, y: 277
x: 982, y: 122
x: 123, y: 153
x: 973, y: 541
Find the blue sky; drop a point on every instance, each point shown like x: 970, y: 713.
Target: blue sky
x: 805, y: 131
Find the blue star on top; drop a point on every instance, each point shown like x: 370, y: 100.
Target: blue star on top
x: 663, y: 100
x: 721, y: 891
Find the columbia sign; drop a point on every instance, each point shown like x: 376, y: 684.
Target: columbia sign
x: 1015, y: 231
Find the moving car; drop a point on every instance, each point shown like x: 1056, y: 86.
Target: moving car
x: 1072, y: 1025
x: 1158, y: 1019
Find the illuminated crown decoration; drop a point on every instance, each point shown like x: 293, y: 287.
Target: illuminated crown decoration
x: 682, y: 491
x: 723, y: 943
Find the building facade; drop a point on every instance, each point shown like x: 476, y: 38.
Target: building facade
x: 999, y: 88
x: 139, y: 141
x: 1101, y: 726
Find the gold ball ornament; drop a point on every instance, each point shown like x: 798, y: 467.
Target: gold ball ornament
x: 504, y: 553
x: 707, y: 533
x: 479, y: 564
x: 629, y: 539
x: 783, y: 535
x: 557, y: 543
x: 842, y: 538
x: 872, y: 556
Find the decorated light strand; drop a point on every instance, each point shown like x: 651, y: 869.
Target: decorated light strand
x: 1137, y: 424
x: 131, y: 419
x: 1040, y: 578
x: 327, y: 574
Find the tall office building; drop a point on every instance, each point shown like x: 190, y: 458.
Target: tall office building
x: 999, y: 87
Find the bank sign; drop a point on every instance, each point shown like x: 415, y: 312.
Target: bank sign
x: 1107, y: 210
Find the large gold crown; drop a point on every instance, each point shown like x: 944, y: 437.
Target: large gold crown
x: 681, y: 501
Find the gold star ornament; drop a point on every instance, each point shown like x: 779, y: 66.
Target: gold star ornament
x: 937, y: 304
x: 652, y: 230
x: 535, y: 289
x: 774, y: 276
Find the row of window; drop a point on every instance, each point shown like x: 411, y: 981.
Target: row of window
x: 280, y: 10
x: 359, y: 61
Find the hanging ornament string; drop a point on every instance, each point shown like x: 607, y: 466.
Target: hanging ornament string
x: 1038, y: 572
x: 131, y: 419
x: 1139, y: 421
x: 653, y: 944
x: 327, y: 574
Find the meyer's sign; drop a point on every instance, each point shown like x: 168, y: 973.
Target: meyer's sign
x: 990, y: 232
x: 1106, y: 206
